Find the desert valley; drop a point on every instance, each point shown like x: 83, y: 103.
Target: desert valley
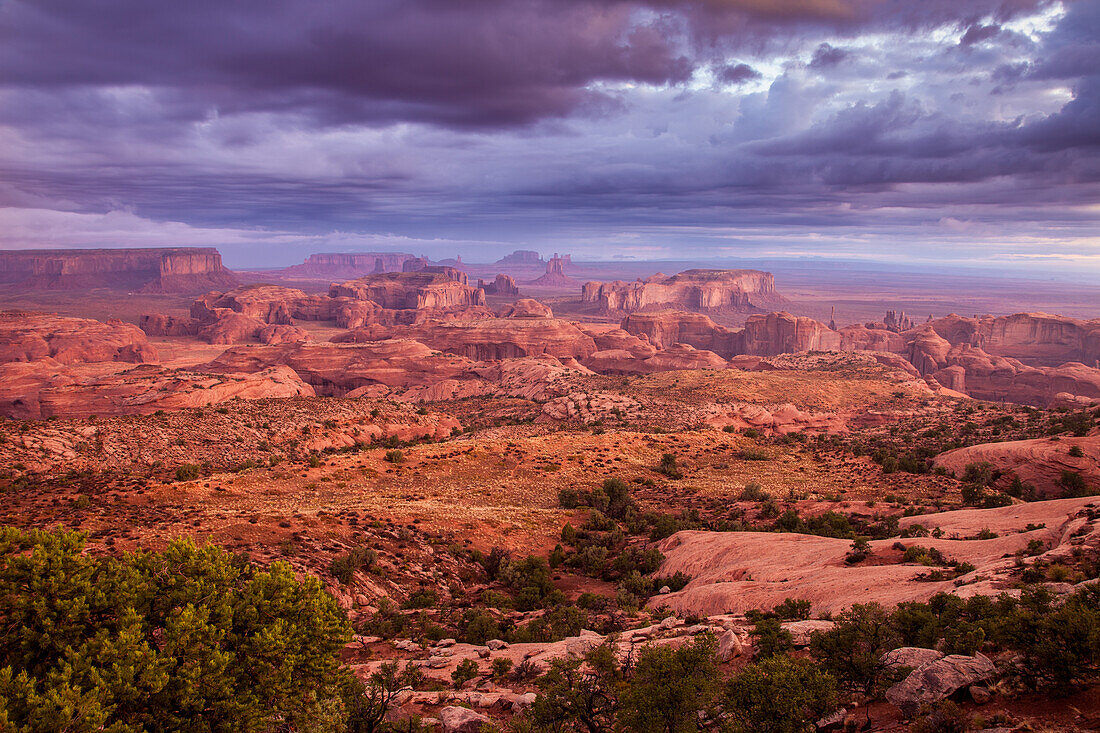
x: 537, y: 493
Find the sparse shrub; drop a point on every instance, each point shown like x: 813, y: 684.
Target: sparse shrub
x: 395, y: 456
x: 343, y: 567
x: 668, y: 466
x: 188, y: 472
x: 466, y: 671
x: 754, y: 492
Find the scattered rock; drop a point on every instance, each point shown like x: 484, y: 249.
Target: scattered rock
x: 462, y: 720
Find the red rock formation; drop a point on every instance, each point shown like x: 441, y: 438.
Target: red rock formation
x: 555, y: 273
x: 637, y: 361
x: 267, y: 303
x: 521, y: 257
x: 502, y: 285
x: 167, y: 270
x: 35, y: 336
x: 664, y: 329
x: 336, y: 369
x: 490, y: 339
x: 527, y: 308
x: 45, y: 389
x: 782, y: 333
x: 344, y: 265
x: 694, y: 290
x: 1039, y: 462
x: 405, y: 290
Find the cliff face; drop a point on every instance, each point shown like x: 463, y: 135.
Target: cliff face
x: 417, y: 290
x: 349, y: 264
x: 666, y: 328
x: 168, y: 270
x: 694, y: 290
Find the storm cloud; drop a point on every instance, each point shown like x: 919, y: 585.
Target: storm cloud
x: 598, y: 124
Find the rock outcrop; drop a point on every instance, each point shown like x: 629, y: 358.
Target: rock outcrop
x: 1039, y: 462
x: 45, y: 389
x: 346, y: 265
x: 735, y: 571
x: 781, y: 333
x: 555, y: 273
x: 527, y: 308
x: 151, y: 270
x: 26, y: 336
x: 410, y: 290
x: 935, y: 680
x: 491, y: 338
x: 336, y: 369
x: 502, y: 285
x: 664, y: 329
x: 521, y: 257
x: 702, y: 291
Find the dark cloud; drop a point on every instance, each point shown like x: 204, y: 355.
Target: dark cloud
x: 487, y: 117
x: 979, y: 33
x: 826, y: 56
x: 737, y: 73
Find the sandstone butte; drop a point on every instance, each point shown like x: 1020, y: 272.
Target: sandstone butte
x: 501, y: 285
x: 348, y: 264
x: 694, y: 290
x: 154, y: 270
x: 417, y: 290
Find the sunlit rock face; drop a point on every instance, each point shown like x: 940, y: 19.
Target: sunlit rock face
x: 701, y: 291
x: 154, y: 270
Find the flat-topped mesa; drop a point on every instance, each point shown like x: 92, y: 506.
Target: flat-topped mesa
x: 349, y: 264
x: 417, y: 290
x: 150, y: 270
x: 702, y: 291
x: 521, y: 257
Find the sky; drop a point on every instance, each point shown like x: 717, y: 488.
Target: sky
x: 914, y: 132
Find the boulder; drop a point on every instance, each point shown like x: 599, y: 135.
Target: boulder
x: 730, y: 645
x: 939, y: 679
x: 910, y: 656
x: 462, y: 720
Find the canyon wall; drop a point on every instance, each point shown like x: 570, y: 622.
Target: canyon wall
x: 152, y: 270
x: 700, y: 291
x: 348, y: 264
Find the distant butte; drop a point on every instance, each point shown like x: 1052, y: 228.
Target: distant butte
x: 702, y: 291
x: 153, y: 270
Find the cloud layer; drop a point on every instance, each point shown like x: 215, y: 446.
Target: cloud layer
x: 886, y: 128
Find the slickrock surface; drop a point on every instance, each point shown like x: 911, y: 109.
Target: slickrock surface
x: 153, y: 270
x: 45, y: 389
x: 34, y: 336
x: 733, y: 572
x: 1038, y: 462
